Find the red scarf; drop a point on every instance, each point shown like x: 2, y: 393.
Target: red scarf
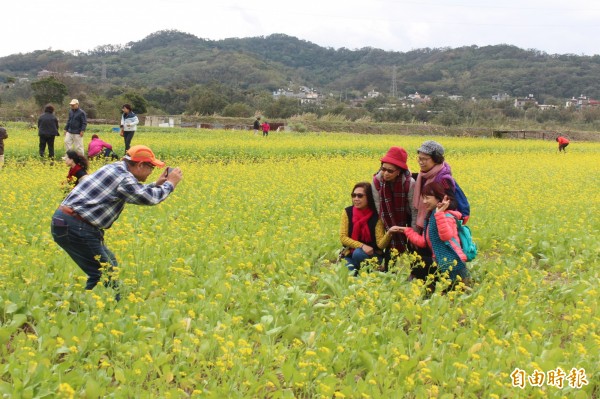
x: 360, y: 225
x: 395, y: 205
x: 72, y: 171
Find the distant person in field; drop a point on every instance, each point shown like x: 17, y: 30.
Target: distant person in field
x: 265, y: 128
x: 78, y: 167
x: 47, y: 131
x: 440, y: 233
x: 3, y: 136
x: 75, y: 128
x: 393, y: 192
x: 563, y: 142
x: 79, y: 223
x: 98, y: 147
x: 256, y: 125
x: 129, y: 122
x: 361, y: 230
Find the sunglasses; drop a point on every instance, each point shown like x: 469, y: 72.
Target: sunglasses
x: 357, y: 195
x: 390, y: 171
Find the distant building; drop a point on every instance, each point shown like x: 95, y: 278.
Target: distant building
x: 304, y: 96
x: 582, y: 102
x: 373, y: 94
x: 501, y: 97
x: 524, y: 102
x: 44, y: 73
x: 417, y: 98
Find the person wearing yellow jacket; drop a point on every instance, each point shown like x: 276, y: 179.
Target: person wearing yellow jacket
x: 361, y: 230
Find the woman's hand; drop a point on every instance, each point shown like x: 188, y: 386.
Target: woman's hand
x: 443, y: 205
x: 368, y: 249
x: 397, y: 229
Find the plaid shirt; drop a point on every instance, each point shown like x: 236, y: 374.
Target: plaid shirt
x: 101, y: 197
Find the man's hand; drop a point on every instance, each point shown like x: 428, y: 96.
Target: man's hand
x: 174, y: 177
x: 81, y: 134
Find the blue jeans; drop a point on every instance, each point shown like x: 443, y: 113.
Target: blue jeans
x: 358, y: 256
x: 85, y: 245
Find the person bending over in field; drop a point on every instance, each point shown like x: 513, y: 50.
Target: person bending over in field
x: 79, y: 223
x: 563, y: 142
x: 98, y: 147
x: 361, y: 231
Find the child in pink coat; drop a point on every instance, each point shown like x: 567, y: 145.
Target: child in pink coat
x: 440, y: 232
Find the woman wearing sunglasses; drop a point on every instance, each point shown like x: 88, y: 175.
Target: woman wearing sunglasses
x: 393, y: 194
x: 361, y: 231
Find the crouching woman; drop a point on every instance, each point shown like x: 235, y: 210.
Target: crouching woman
x: 440, y: 231
x: 361, y: 230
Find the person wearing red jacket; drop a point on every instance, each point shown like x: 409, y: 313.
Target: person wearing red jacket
x: 78, y: 167
x: 563, y: 142
x: 440, y: 232
x: 265, y: 128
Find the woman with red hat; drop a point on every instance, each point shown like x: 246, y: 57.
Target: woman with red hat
x: 393, y: 194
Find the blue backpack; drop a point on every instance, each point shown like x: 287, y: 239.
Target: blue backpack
x: 467, y: 244
x: 462, y: 203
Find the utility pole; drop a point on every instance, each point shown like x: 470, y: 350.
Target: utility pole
x: 103, y: 72
x: 394, y: 88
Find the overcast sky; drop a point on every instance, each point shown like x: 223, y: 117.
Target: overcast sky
x: 551, y: 26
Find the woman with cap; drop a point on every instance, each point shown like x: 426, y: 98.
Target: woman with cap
x: 393, y: 194
x: 361, y: 231
x: 432, y: 168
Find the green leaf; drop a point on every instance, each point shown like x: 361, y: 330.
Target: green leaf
x: 367, y: 360
x: 11, y: 307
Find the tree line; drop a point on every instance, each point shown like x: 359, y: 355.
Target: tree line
x: 171, y: 72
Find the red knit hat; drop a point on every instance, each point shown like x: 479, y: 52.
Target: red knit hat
x: 396, y: 156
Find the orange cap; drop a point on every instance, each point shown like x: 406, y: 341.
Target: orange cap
x: 141, y: 153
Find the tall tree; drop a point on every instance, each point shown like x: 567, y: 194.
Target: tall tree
x: 137, y: 101
x: 49, y: 90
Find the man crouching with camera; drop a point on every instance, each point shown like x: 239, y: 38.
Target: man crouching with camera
x: 95, y: 204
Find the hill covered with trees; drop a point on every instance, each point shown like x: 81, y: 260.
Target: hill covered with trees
x: 176, y: 72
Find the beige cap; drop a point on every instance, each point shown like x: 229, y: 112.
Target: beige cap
x: 74, y: 101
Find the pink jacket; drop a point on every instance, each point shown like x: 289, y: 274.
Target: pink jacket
x: 447, y: 229
x: 95, y: 147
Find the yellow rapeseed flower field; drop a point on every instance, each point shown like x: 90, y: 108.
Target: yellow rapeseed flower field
x: 230, y: 287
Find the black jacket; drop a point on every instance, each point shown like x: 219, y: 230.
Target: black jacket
x: 48, y: 124
x: 77, y: 121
